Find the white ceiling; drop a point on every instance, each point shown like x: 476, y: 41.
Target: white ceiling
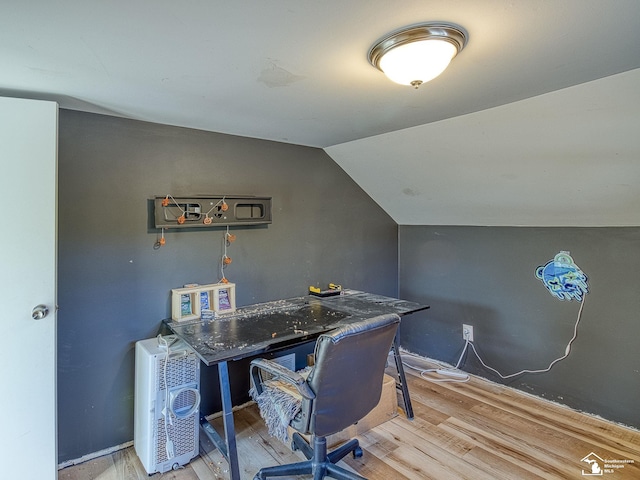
x: 296, y: 71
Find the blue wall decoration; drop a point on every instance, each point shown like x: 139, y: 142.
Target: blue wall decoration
x: 563, y: 278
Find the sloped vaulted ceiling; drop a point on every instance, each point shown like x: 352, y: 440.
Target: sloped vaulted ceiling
x: 566, y: 158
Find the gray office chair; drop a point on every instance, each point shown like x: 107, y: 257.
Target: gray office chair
x: 343, y: 386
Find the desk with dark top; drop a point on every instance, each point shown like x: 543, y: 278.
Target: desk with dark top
x: 271, y: 326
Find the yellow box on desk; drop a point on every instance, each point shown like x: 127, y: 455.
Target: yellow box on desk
x: 386, y: 409
x: 187, y: 303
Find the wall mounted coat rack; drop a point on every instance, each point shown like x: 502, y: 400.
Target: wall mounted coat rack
x: 210, y: 211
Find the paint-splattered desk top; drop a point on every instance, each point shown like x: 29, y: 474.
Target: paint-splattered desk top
x: 270, y: 326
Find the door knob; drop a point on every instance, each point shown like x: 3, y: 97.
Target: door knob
x: 39, y: 312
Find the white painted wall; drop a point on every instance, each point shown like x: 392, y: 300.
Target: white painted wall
x: 567, y: 158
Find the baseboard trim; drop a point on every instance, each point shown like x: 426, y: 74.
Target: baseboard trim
x: 91, y: 456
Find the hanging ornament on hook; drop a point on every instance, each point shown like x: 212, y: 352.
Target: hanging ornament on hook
x: 160, y: 242
x: 226, y: 259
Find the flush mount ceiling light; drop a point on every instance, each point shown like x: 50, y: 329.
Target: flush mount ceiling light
x: 417, y: 54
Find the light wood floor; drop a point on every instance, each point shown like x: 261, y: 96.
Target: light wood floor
x: 476, y: 430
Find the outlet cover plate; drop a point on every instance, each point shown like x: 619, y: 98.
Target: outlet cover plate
x: 467, y: 332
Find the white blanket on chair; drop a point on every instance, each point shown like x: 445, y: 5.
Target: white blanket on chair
x: 277, y: 408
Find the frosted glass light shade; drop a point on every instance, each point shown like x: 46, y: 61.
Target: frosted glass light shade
x: 417, y: 62
x: 417, y: 54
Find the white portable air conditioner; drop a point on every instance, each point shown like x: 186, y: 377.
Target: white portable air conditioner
x: 167, y: 401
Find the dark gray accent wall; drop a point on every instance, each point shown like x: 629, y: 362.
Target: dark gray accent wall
x: 485, y: 276
x: 114, y: 288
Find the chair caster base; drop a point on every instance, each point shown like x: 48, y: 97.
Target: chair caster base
x: 357, y: 452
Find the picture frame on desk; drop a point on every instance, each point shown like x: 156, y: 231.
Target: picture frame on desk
x: 188, y: 303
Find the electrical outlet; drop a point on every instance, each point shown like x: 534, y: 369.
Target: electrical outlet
x: 467, y: 332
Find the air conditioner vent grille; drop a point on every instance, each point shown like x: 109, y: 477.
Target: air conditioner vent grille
x: 181, y: 434
x: 180, y: 371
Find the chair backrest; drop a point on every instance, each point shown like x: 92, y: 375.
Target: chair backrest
x: 348, y: 372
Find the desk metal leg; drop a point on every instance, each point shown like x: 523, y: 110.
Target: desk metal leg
x: 228, y: 446
x: 402, y: 379
x: 229, y: 428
